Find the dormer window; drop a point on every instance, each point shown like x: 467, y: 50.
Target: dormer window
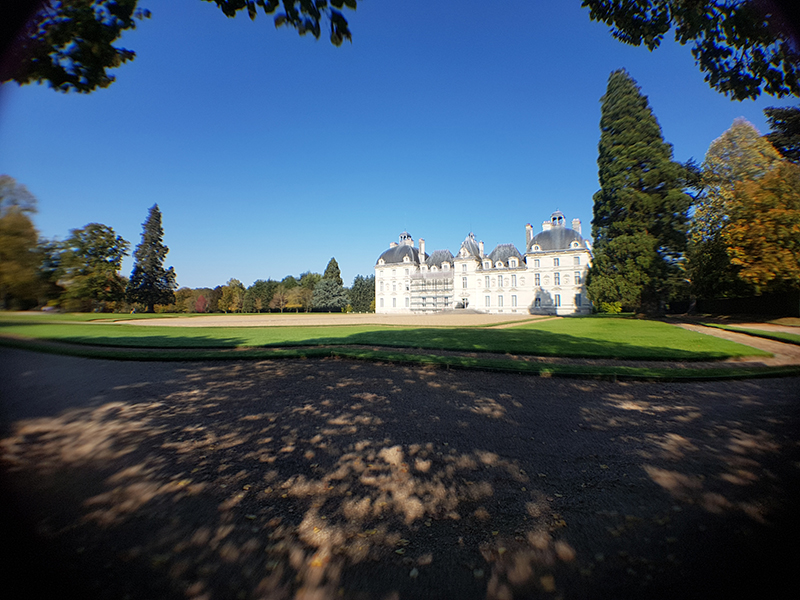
x: 498, y: 264
x: 536, y: 248
x: 405, y: 259
x: 512, y: 262
x: 445, y: 266
x: 433, y: 268
x: 487, y: 264
x: 574, y: 244
x: 381, y: 262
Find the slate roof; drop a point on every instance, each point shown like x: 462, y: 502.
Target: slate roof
x: 557, y: 238
x: 438, y: 257
x: 503, y: 252
x: 396, y: 255
x: 471, y: 246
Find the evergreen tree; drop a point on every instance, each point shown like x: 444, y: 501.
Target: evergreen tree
x: 329, y: 295
x: 332, y: 272
x: 150, y: 282
x: 362, y: 293
x: 639, y: 223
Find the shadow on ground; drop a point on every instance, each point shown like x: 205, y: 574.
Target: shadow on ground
x: 333, y: 479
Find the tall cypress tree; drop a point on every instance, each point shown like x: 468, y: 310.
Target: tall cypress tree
x: 150, y: 282
x: 640, y: 212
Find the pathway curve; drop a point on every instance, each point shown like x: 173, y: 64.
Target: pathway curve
x: 783, y: 353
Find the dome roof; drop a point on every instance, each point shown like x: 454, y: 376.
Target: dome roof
x: 557, y: 238
x: 503, y: 252
x: 398, y: 253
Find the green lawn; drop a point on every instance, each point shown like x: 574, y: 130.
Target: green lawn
x: 581, y: 337
x: 780, y: 336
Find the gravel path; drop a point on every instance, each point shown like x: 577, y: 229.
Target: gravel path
x: 323, y: 479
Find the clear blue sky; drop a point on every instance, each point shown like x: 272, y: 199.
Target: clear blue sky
x: 269, y: 153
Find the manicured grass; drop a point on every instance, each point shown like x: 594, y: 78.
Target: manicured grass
x: 579, y: 337
x: 780, y: 336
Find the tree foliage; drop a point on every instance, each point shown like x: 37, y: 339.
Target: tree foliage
x: 70, y: 44
x: 362, y: 293
x: 90, y: 265
x: 763, y: 236
x: 332, y: 272
x: 306, y: 16
x: 639, y: 223
x: 738, y: 155
x: 785, y: 134
x: 280, y: 298
x: 19, y: 259
x: 150, y: 282
x: 743, y: 47
x: 232, y: 299
x: 329, y: 295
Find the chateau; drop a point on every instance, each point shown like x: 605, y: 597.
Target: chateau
x: 547, y: 279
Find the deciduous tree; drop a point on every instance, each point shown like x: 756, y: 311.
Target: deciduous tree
x: 280, y: 298
x: 90, y: 266
x: 743, y: 47
x: 232, y: 299
x: 150, y: 282
x: 763, y: 236
x: 639, y: 223
x: 738, y: 155
x: 19, y: 260
x: 785, y: 134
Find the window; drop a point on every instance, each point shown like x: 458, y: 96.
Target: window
x: 513, y: 281
x: 576, y: 260
x: 500, y: 301
x: 537, y: 279
x: 577, y: 277
x: 499, y: 282
x: 464, y: 268
x: 488, y: 301
x: 487, y: 281
x: 381, y: 302
x: 555, y: 262
x: 406, y: 272
x: 423, y: 301
x: 512, y: 262
x: 487, y: 264
x: 577, y: 299
x: 558, y: 300
x: 557, y: 278
x: 394, y: 302
x: 381, y: 286
x: 406, y: 302
x: 537, y: 303
x: 464, y: 282
x: 394, y: 272
x: 536, y: 263
x: 394, y: 287
x: 514, y: 300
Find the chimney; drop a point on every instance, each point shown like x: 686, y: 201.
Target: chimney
x: 393, y: 244
x: 480, y: 247
x: 546, y: 225
x: 576, y: 225
x: 421, y: 249
x: 528, y: 234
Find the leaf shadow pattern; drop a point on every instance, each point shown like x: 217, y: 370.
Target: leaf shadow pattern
x: 329, y: 479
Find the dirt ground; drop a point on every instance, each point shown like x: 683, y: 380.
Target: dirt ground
x: 323, y: 479
x: 440, y: 319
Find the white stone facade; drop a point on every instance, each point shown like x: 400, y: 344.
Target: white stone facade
x: 549, y: 278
